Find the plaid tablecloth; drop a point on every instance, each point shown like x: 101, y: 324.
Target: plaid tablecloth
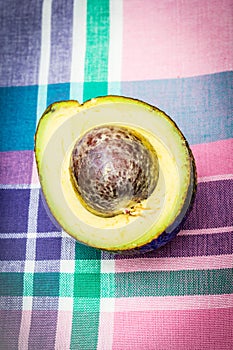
x: 58, y: 294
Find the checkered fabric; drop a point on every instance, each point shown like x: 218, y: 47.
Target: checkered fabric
x: 58, y: 294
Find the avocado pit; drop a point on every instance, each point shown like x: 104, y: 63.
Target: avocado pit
x: 113, y: 168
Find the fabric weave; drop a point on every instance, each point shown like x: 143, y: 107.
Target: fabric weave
x: 56, y: 293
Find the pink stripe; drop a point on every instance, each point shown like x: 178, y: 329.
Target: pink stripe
x: 174, y: 303
x: 16, y: 167
x: 106, y: 328
x: 170, y: 39
x: 214, y: 158
x: 175, y: 330
x: 215, y: 178
x: 174, y: 264
x: 35, y: 178
x: 24, y: 330
x: 63, y: 333
x: 206, y: 231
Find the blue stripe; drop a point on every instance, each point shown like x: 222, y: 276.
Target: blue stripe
x: 201, y: 106
x: 58, y: 92
x: 61, y: 41
x: 20, y: 41
x: 18, y: 116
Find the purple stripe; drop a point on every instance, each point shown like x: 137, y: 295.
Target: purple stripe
x: 16, y: 167
x: 13, y: 249
x: 48, y: 248
x: 20, y: 40
x: 9, y: 329
x: 212, y: 209
x: 45, y: 303
x: 193, y: 245
x: 61, y: 41
x: 14, y: 210
x: 197, y: 245
x: 43, y: 330
x: 213, y: 206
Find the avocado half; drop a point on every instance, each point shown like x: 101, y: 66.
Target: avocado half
x: 156, y: 219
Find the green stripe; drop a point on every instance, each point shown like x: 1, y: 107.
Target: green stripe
x: 11, y: 284
x: 97, y: 45
x: 86, y: 297
x: 66, y: 285
x: 191, y: 282
x: 84, y: 330
x: 86, y: 284
x: 90, y: 286
x: 46, y: 284
x: 86, y: 305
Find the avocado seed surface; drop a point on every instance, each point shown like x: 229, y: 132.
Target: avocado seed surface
x: 113, y: 168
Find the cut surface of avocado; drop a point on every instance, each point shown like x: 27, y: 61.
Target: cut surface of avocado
x: 63, y: 123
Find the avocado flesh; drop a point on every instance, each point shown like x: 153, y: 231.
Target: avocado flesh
x: 58, y: 130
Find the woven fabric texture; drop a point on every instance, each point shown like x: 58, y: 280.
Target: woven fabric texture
x: 58, y: 294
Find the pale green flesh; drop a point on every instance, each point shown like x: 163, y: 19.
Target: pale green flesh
x: 56, y: 135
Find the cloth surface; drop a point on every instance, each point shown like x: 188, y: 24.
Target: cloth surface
x: 58, y: 294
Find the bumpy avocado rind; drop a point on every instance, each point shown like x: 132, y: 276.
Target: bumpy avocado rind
x: 157, y: 219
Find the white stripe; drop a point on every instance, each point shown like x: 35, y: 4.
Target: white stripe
x: 106, y: 318
x: 187, y: 302
x: 67, y: 265
x: 108, y: 266
x: 206, y: 231
x: 19, y: 186
x: 38, y: 235
x: 29, y: 267
x: 65, y: 304
x: 78, y: 50
x: 27, y: 306
x: 115, y: 47
x: 44, y: 57
x: 215, y: 178
x: 109, y: 305
x: 124, y: 265
x: 34, y: 192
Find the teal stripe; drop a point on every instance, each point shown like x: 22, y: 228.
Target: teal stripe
x: 165, y: 283
x: 84, y: 252
x: 86, y: 297
x: 46, y: 284
x: 11, y: 284
x: 97, y: 45
x: 201, y: 106
x: 85, y: 329
x: 58, y: 92
x: 85, y: 324
x: 90, y: 286
x: 86, y: 304
x: 18, y: 116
